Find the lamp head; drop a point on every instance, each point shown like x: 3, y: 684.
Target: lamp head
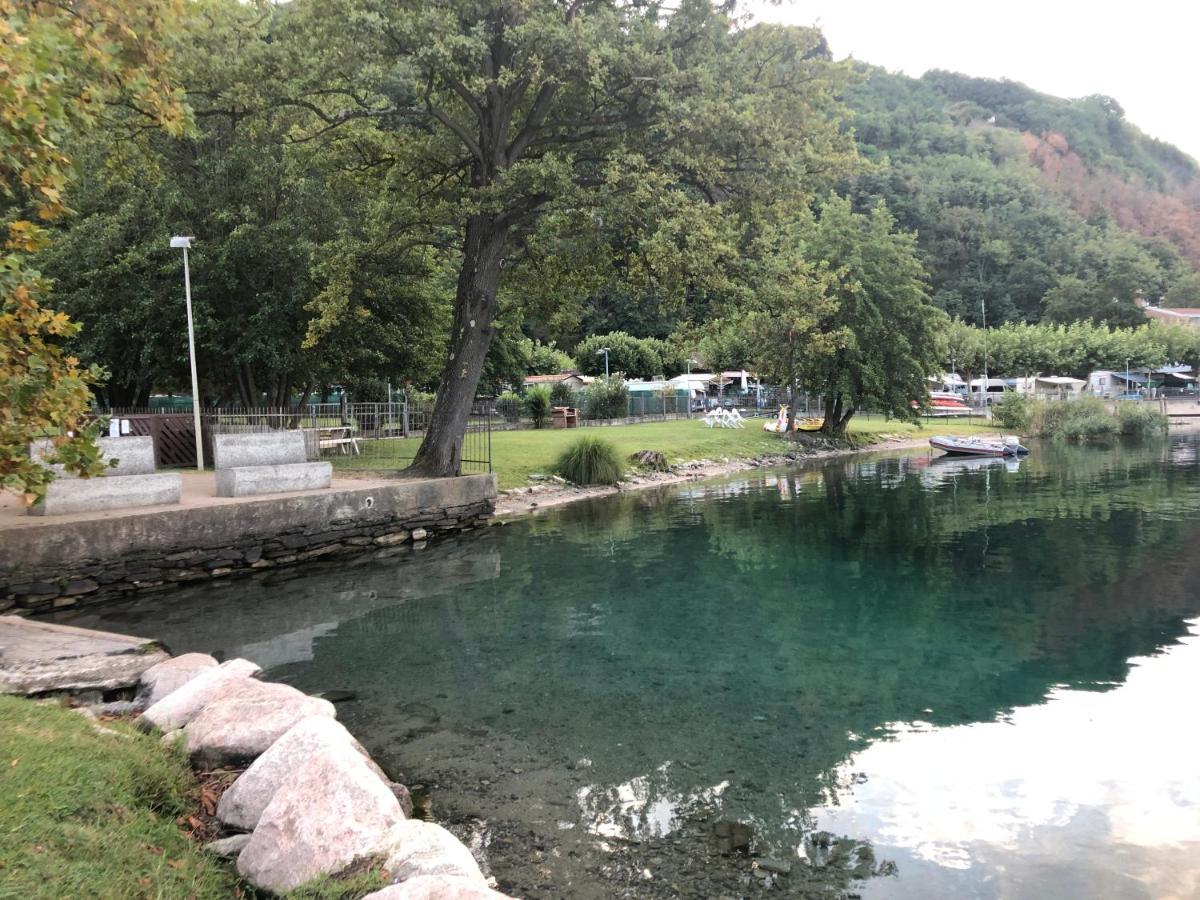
x: 181, y: 243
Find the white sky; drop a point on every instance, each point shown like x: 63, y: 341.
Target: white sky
x: 1143, y: 53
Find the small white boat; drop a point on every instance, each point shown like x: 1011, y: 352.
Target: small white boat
x: 978, y: 446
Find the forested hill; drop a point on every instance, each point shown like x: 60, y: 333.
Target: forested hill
x: 1045, y: 208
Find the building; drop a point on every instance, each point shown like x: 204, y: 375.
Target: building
x: 1186, y: 315
x: 573, y: 380
x: 1051, y: 387
x: 1108, y: 383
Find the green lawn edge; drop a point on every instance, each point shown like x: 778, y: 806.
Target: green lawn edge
x: 518, y: 454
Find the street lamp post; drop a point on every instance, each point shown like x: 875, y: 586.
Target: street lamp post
x: 183, y: 243
x: 1128, y: 381
x: 986, y: 383
x: 688, y: 386
x: 604, y: 350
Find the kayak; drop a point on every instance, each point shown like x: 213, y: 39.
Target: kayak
x: 978, y: 446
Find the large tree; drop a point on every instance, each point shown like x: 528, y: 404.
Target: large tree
x: 892, y: 334
x: 504, y: 112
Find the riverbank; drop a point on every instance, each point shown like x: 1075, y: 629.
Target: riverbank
x: 132, y: 773
x: 548, y: 492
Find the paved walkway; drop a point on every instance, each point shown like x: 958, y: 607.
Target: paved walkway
x: 36, y: 657
x: 199, y: 490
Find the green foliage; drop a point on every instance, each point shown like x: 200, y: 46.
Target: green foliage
x: 606, y: 399
x: 627, y: 355
x: 1015, y: 196
x: 590, y: 460
x: 1014, y: 412
x: 510, y: 406
x: 96, y: 811
x: 537, y: 405
x: 888, y: 334
x: 63, y: 65
x: 562, y: 394
x: 1075, y: 420
x: 1020, y: 350
x: 547, y: 359
x: 1140, y: 419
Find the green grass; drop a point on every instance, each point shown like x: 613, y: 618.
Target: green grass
x: 84, y: 814
x: 518, y: 454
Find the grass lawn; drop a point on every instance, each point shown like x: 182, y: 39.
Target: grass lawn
x: 84, y: 814
x: 518, y: 454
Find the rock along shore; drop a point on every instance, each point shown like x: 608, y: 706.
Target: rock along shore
x: 310, y: 802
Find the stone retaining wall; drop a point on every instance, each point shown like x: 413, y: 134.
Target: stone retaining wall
x: 64, y: 564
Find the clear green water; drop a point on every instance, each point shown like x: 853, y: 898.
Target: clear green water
x: 987, y: 672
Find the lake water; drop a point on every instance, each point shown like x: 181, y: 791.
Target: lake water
x: 912, y: 678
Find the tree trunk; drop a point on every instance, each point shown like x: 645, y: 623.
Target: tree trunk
x: 829, y: 401
x: 440, y: 454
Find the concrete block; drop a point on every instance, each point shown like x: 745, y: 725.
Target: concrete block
x: 134, y: 454
x: 73, y: 495
x: 271, y: 448
x: 246, y: 481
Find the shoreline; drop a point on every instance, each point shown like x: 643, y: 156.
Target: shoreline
x: 553, y: 492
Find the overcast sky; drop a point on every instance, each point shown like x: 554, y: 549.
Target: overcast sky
x: 1141, y: 53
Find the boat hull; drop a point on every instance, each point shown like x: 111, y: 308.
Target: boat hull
x: 976, y: 447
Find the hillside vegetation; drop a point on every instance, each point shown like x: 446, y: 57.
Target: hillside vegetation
x: 1040, y: 207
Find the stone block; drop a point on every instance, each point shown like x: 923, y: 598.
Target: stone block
x: 247, y: 481
x: 242, y: 805
x: 437, y: 887
x: 329, y: 812
x: 414, y: 848
x: 72, y: 495
x: 133, y: 454
x: 272, y: 448
x: 167, y: 677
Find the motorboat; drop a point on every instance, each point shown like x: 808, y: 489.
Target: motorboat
x: 978, y: 446
x: 943, y: 404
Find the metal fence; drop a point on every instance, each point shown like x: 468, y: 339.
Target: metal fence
x: 374, y: 436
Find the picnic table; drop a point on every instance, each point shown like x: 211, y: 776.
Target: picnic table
x: 338, y: 437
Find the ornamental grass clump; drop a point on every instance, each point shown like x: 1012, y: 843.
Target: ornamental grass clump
x: 590, y: 460
x: 537, y: 405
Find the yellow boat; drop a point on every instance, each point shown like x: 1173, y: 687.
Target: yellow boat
x: 778, y: 425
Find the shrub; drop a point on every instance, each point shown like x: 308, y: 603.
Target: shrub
x: 590, y: 460
x: 537, y: 405
x: 606, y: 399
x: 1140, y: 419
x: 508, y: 405
x: 1087, y: 417
x: 1014, y: 412
x: 562, y: 395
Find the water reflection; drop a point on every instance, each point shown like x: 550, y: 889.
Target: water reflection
x: 953, y: 661
x: 1087, y: 794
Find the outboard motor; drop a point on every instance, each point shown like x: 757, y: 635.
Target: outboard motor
x: 1012, y: 447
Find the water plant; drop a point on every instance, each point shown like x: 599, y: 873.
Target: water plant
x: 1140, y: 419
x: 590, y: 460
